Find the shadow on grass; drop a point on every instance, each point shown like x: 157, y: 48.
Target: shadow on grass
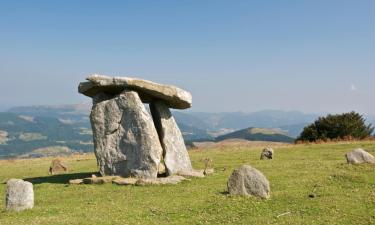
x: 224, y: 192
x: 60, y: 178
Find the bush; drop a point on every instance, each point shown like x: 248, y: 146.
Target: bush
x: 346, y: 126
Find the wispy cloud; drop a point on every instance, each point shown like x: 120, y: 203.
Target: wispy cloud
x: 352, y: 87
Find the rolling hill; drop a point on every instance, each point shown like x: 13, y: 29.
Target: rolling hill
x: 22, y: 134
x: 258, y: 134
x: 32, y: 131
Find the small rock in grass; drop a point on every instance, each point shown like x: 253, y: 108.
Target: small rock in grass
x: 57, y: 167
x: 76, y: 181
x: 192, y: 173
x: 208, y: 171
x: 312, y: 195
x: 99, y: 180
x: 267, y: 153
x: 125, y: 181
x: 358, y: 156
x: 246, y: 181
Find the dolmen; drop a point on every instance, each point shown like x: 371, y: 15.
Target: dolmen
x: 129, y: 140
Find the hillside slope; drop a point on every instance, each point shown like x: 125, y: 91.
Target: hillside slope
x: 344, y: 194
x: 258, y: 134
x: 23, y: 134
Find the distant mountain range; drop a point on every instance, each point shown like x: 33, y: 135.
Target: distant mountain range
x: 34, y: 129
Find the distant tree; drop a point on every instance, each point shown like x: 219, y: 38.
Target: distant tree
x: 342, y: 126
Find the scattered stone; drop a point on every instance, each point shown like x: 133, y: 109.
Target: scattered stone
x: 19, y: 195
x: 99, y: 180
x: 58, y: 167
x: 125, y: 138
x: 76, y: 181
x: 267, y: 153
x: 174, y: 179
x: 173, y: 96
x: 125, y: 181
x: 176, y: 157
x: 246, y: 181
x: 358, y: 156
x: 193, y: 173
x: 208, y: 171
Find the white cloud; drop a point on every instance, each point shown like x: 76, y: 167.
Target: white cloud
x: 353, y: 87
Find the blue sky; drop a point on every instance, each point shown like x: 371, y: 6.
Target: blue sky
x: 313, y: 56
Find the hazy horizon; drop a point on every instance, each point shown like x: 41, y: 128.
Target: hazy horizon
x: 318, y: 113
x: 309, y: 56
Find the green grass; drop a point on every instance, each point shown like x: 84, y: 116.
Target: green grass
x: 345, y: 194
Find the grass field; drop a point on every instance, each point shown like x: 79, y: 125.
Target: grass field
x: 345, y: 194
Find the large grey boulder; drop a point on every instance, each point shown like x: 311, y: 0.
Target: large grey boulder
x: 149, y: 91
x: 267, y: 153
x: 125, y: 139
x: 176, y: 157
x: 358, y: 156
x: 247, y: 180
x: 19, y: 195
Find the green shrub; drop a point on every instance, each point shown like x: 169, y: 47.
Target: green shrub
x: 337, y: 127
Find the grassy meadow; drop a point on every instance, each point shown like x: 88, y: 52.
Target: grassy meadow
x: 343, y: 194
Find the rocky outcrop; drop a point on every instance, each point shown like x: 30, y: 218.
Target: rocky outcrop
x: 125, y: 138
x: 172, y: 96
x: 358, y: 156
x: 247, y: 181
x: 19, y: 195
x: 176, y: 157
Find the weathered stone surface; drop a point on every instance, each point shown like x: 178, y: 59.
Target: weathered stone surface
x: 174, y: 179
x: 99, y: 180
x: 358, y: 156
x: 208, y: 171
x: 149, y: 91
x: 192, y: 173
x: 58, y: 167
x: 267, y: 153
x: 161, y: 169
x: 176, y: 157
x: 76, y: 181
x: 125, y: 181
x: 248, y: 181
x: 19, y: 195
x: 125, y: 139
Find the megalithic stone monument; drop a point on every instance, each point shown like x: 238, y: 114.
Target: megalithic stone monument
x: 128, y: 140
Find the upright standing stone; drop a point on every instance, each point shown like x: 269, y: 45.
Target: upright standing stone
x: 176, y: 157
x: 126, y: 141
x: 19, y: 195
